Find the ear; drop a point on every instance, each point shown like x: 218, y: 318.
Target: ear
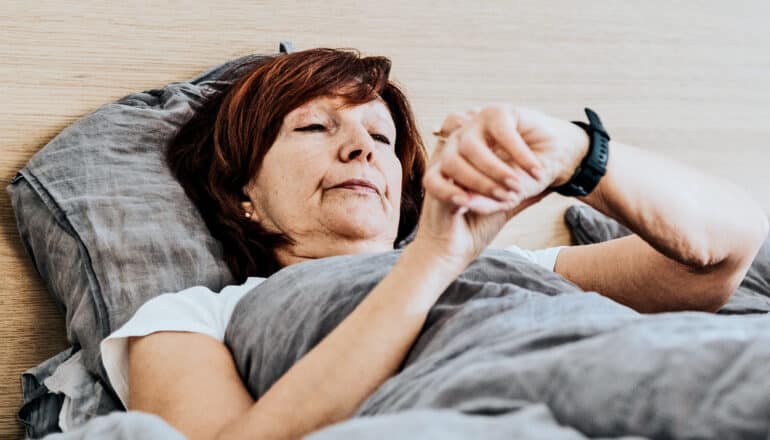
x: 249, y: 208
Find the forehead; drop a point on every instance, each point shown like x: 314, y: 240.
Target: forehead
x: 375, y: 109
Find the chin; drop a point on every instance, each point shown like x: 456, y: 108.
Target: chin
x: 360, y: 231
x: 355, y: 217
x: 358, y: 227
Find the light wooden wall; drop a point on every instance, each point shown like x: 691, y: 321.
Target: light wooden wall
x: 689, y: 79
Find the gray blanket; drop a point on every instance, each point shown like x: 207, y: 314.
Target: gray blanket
x: 511, y: 350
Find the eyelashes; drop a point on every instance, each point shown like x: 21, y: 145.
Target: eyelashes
x: 311, y: 127
x: 319, y: 128
x: 380, y: 137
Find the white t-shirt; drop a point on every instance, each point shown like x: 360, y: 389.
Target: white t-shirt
x: 198, y: 309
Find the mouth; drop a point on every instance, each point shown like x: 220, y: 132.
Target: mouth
x: 358, y: 185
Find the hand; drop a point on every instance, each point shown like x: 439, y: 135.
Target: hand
x: 488, y: 166
x: 522, y: 138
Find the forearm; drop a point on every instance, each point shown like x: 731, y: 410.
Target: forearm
x: 363, y: 351
x: 687, y: 215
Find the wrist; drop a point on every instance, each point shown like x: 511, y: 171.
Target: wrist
x: 579, y: 143
x: 596, y: 198
x: 422, y: 275
x: 434, y: 257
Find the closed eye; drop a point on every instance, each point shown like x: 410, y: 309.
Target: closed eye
x: 381, y: 138
x: 318, y: 127
x: 311, y: 127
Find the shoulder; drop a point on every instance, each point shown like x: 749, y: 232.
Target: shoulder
x: 544, y: 257
x: 196, y: 309
x: 193, y: 309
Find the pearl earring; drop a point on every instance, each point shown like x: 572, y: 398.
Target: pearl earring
x: 248, y: 215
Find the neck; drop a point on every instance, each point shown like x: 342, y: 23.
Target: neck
x: 298, y: 253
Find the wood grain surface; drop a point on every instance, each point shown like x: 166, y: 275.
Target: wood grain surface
x: 688, y: 79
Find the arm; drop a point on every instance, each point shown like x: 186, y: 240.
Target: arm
x: 696, y: 235
x: 198, y: 391
x: 202, y: 395
x: 332, y: 380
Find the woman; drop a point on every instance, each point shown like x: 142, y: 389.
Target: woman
x: 316, y: 153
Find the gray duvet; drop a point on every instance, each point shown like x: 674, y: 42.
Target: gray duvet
x: 512, y: 350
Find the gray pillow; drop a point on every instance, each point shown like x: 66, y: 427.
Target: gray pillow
x: 588, y: 225
x: 106, y: 224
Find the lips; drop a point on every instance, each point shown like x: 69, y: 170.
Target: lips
x: 357, y: 184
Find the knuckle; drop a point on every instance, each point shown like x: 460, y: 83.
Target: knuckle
x: 501, y: 173
x: 464, y: 147
x: 519, y: 112
x: 449, y: 164
x: 466, y: 144
x: 453, y: 121
x: 487, y: 112
x: 480, y: 182
x: 496, y: 110
x: 505, y: 157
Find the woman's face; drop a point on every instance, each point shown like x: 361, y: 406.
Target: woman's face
x: 331, y: 181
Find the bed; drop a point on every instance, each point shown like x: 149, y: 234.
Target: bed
x: 693, y: 84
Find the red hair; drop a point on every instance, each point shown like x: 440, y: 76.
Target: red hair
x: 220, y: 149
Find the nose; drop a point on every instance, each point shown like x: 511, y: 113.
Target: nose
x: 359, y: 145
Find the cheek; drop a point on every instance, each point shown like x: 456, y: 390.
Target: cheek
x: 293, y: 172
x: 394, y: 176
x: 286, y: 184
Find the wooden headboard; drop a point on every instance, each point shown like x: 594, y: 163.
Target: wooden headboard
x: 691, y: 80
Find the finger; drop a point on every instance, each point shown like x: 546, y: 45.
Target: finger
x: 456, y: 167
x: 484, y: 205
x: 502, y: 126
x: 452, y: 123
x: 528, y: 186
x: 526, y: 203
x: 473, y: 149
x: 444, y: 189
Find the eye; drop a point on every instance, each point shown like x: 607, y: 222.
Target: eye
x: 381, y: 138
x: 311, y: 127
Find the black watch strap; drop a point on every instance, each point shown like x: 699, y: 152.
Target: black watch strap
x: 594, y: 165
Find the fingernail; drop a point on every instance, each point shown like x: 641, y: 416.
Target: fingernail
x: 512, y: 183
x: 458, y: 200
x: 537, y: 172
x: 512, y: 196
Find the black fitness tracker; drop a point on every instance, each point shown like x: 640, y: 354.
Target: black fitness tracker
x: 594, y: 165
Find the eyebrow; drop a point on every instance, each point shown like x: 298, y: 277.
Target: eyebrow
x: 372, y: 115
x: 302, y: 112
